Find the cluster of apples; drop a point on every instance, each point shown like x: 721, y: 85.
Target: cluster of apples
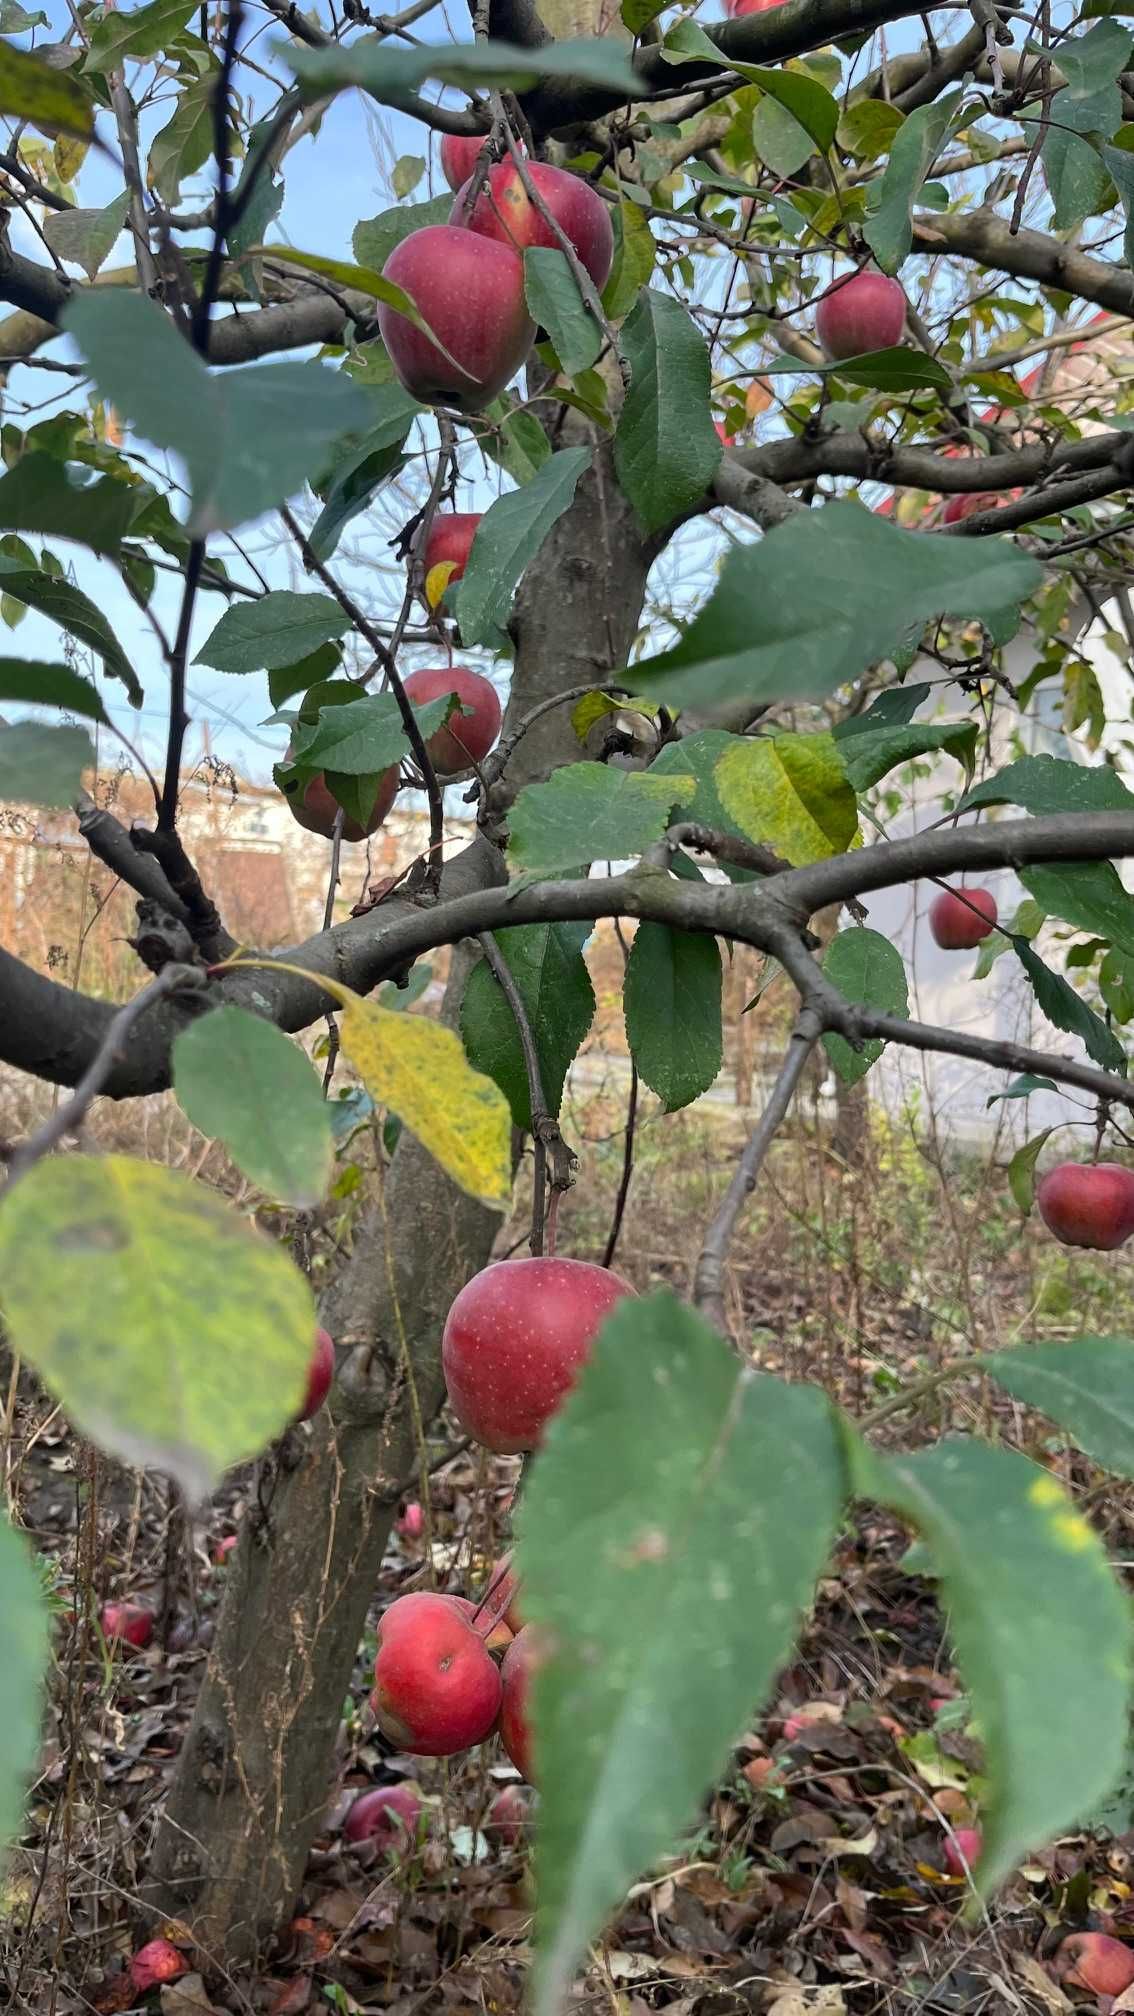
x: 450, y: 1672
x: 466, y: 277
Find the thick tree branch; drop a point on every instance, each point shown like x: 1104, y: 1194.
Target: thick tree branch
x: 870, y: 460
x: 1030, y: 255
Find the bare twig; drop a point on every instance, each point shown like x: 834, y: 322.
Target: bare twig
x: 69, y: 1115
x: 708, y: 1280
x: 728, y: 847
x: 612, y: 1236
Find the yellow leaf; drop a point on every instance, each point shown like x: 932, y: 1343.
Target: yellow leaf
x: 792, y: 793
x: 594, y: 706
x: 437, y: 580
x: 69, y: 156
x: 757, y: 399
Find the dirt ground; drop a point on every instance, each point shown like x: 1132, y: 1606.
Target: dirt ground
x: 813, y: 1879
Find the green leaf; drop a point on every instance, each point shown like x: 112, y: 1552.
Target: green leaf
x: 172, y: 1333
x: 517, y: 441
x: 73, y: 611
x: 1022, y: 1171
x: 185, y: 141
x: 40, y: 494
x: 140, y: 32
x: 242, y: 1081
x: 407, y: 173
x: 672, y: 1003
x: 316, y: 670
x: 916, y: 145
x: 53, y: 100
x: 1119, y: 165
x: 804, y: 97
x: 266, y: 635
x: 826, y: 595
x: 86, y: 238
x: 40, y: 765
x: 697, y: 756
x: 1088, y: 894
x: 363, y: 737
x: 394, y: 76
x: 508, y: 538
x: 666, y: 451
x: 1022, y: 1088
x: 894, y: 708
x: 248, y: 438
x: 791, y: 792
x: 867, y: 969
x: 1051, y: 784
x: 375, y: 237
x: 1116, y: 985
x: 869, y: 755
x: 1089, y: 104
x: 49, y: 686
x: 656, y: 1557
x: 779, y: 140
x: 1068, y: 1011
x: 555, y: 304
x: 374, y: 460
x: 1085, y: 1386
x: 867, y: 129
x: 22, y: 1675
x: 634, y: 255
x: 637, y: 14
x: 895, y: 370
x: 589, y: 812
x: 1074, y: 170
x: 546, y: 962
x: 1039, y: 1622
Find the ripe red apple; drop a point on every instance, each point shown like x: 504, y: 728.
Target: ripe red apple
x: 154, y: 1963
x: 515, y: 1340
x: 1096, y: 1961
x: 959, y: 920
x: 320, y: 1373
x: 459, y: 156
x: 866, y: 311
x: 726, y: 440
x: 520, y: 1661
x: 450, y: 538
x: 466, y: 738
x: 962, y: 1850
x: 960, y: 508
x: 389, y: 1816
x: 316, y: 807
x: 504, y: 211
x: 470, y: 290
x: 127, y: 1623
x: 490, y: 1628
x: 509, y: 1816
x: 735, y: 8
x: 1088, y: 1204
x: 411, y: 1525
x: 437, y: 1690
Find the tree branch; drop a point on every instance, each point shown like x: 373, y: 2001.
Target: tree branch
x: 1029, y: 255
x: 858, y: 455
x: 1004, y: 1056
x: 708, y: 1279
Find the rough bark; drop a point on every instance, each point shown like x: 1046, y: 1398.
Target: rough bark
x: 253, y: 1779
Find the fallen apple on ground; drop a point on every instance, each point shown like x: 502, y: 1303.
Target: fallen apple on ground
x: 437, y: 1689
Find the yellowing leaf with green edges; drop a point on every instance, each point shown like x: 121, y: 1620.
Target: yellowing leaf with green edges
x: 792, y: 793
x: 594, y: 706
x: 173, y: 1333
x: 419, y: 1070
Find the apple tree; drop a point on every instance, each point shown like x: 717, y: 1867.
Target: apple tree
x: 791, y: 345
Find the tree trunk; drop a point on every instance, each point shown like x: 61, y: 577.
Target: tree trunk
x: 256, y: 1771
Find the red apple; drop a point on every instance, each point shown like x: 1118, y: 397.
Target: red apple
x: 504, y: 211
x: 320, y: 1373
x: 316, y: 807
x: 1096, y: 1961
x: 490, y: 1628
x: 515, y: 1340
x: 223, y: 1549
x: 866, y: 311
x: 735, y: 8
x: 411, y: 1525
x: 962, y: 1850
x: 389, y: 1816
x: 437, y: 1690
x: 127, y: 1623
x: 459, y: 156
x: 470, y: 291
x: 960, y: 919
x: 466, y: 738
x: 960, y: 508
x: 450, y: 538
x: 726, y: 440
x: 520, y: 1662
x: 509, y: 1816
x: 1088, y: 1204
x: 154, y: 1963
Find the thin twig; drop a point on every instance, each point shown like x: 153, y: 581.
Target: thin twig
x: 547, y: 1139
x: 612, y: 1236
x: 708, y: 1281
x: 68, y: 1117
